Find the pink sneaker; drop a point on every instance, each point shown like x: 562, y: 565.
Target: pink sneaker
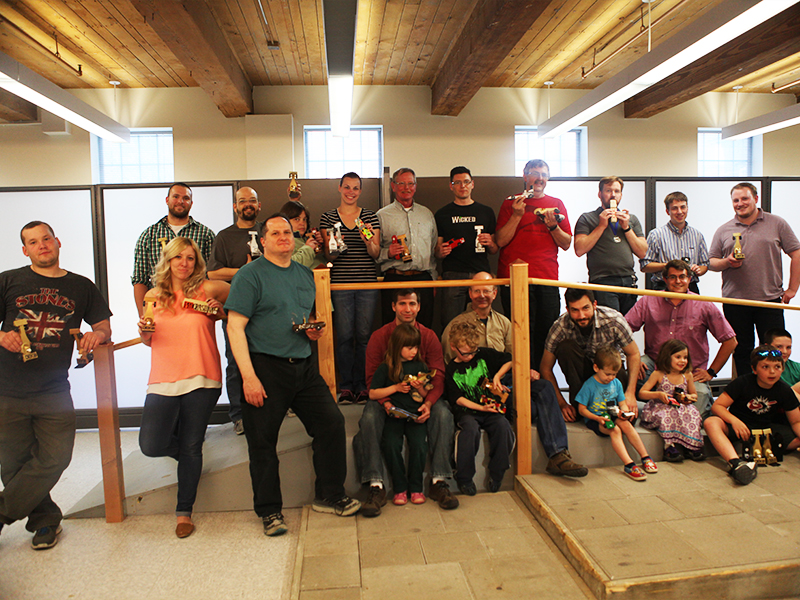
x: 400, y: 499
x: 417, y: 498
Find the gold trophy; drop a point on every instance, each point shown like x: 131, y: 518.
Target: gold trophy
x: 738, y: 253
x: 85, y: 357
x: 405, y: 253
x: 200, y: 306
x: 149, y: 320
x: 294, y: 191
x: 26, y: 350
x: 163, y: 243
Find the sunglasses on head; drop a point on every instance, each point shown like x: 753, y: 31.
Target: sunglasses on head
x: 772, y: 353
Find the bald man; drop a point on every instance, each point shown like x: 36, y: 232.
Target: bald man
x: 234, y: 247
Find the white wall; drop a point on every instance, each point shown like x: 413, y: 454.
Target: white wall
x: 210, y: 147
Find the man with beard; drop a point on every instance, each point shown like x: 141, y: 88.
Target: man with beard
x: 234, y: 247
x: 609, y: 237
x: 686, y: 320
x: 176, y: 223
x: 37, y: 417
x: 574, y: 339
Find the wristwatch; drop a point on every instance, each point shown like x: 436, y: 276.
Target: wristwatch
x: 711, y: 372
x: 553, y: 228
x: 626, y: 230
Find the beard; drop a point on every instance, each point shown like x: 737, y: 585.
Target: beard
x: 178, y: 212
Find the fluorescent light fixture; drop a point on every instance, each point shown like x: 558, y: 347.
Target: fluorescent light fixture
x: 724, y: 23
x: 778, y: 119
x: 21, y: 81
x: 340, y: 99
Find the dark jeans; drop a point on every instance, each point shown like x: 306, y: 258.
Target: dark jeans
x: 619, y: 302
x: 366, y: 443
x: 233, y: 381
x: 544, y: 307
x: 36, y: 439
x: 743, y: 319
x: 353, y: 313
x: 299, y: 386
x: 175, y: 426
x: 578, y: 368
x: 425, y: 296
x: 468, y: 442
x: 453, y: 299
x: 392, y: 446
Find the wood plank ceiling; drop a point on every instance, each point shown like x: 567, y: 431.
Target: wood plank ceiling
x: 228, y: 46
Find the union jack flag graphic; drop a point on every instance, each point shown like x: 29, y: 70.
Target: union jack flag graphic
x: 42, y: 325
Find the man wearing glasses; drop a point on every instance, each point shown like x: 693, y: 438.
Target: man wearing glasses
x: 530, y: 229
x: 404, y: 220
x: 466, y: 238
x: 685, y: 320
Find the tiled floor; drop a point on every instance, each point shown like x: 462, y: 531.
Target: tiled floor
x: 488, y: 548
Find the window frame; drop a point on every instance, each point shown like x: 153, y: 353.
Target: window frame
x: 581, y: 160
x: 345, y: 164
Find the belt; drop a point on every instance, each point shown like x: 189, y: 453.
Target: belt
x: 290, y: 360
x: 405, y: 273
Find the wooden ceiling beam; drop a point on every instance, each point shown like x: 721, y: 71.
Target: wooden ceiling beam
x: 192, y: 34
x: 773, y: 40
x: 491, y: 32
x: 14, y: 109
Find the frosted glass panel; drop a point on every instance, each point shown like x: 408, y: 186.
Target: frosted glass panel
x: 785, y: 204
x: 580, y: 197
x: 69, y: 213
x: 128, y: 212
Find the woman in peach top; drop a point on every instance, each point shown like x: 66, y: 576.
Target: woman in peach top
x: 185, y: 374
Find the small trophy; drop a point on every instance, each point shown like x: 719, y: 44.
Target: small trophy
x: 255, y: 251
x: 294, y: 191
x: 762, y: 447
x: 200, y: 306
x: 84, y: 357
x: 26, y: 350
x: 339, y: 239
x: 362, y: 227
x: 478, y: 246
x: 163, y: 242
x: 149, y: 321
x: 738, y: 253
x: 312, y: 233
x: 490, y: 396
x: 405, y: 253
x: 613, y: 220
x: 333, y: 246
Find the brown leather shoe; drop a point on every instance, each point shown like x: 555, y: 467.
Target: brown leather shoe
x: 562, y: 464
x: 184, y: 530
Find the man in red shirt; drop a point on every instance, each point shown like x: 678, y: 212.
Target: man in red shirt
x: 523, y: 234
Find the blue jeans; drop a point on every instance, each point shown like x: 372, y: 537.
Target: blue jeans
x: 175, y: 426
x: 367, y: 442
x: 546, y: 413
x: 704, y: 397
x: 353, y: 314
x: 233, y: 382
x: 619, y: 302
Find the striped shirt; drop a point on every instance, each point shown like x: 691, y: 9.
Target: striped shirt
x: 355, y: 265
x: 148, y: 248
x: 608, y: 327
x: 668, y: 242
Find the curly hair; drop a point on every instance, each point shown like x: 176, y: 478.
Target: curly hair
x: 466, y: 333
x: 162, y: 278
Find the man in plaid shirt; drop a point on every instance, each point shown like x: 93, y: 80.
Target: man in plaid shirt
x: 177, y: 223
x: 575, y: 337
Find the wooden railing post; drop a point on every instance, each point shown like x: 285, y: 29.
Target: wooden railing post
x: 521, y: 352
x: 108, y: 423
x: 327, y: 363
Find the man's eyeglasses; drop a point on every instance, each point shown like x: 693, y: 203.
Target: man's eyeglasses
x: 539, y: 175
x: 682, y: 277
x: 465, y: 183
x: 772, y: 353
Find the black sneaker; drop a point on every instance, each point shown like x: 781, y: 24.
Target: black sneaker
x: 743, y: 472
x: 45, y: 538
x: 274, y: 525
x: 696, y: 455
x: 346, y: 397
x: 440, y: 493
x: 343, y: 507
x: 494, y: 485
x: 673, y: 454
x: 467, y: 488
x: 376, y: 499
x: 362, y: 397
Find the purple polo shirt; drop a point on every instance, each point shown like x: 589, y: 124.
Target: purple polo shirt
x: 690, y: 321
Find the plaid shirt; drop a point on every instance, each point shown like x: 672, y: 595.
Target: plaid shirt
x: 608, y: 327
x: 148, y: 248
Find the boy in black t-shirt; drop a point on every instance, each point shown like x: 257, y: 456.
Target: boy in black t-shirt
x: 753, y: 401
x: 477, y: 408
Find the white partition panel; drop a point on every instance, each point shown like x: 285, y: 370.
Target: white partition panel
x: 127, y: 213
x: 785, y: 204
x: 580, y: 197
x: 69, y: 213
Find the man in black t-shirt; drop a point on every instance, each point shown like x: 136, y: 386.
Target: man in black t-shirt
x: 475, y: 223
x: 37, y: 418
x: 754, y: 401
x: 234, y: 247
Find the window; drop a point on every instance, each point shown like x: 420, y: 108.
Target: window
x: 718, y: 158
x: 566, y: 154
x: 148, y: 158
x: 329, y: 157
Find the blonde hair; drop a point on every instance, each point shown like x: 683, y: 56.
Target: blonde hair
x: 162, y: 278
x: 403, y: 336
x: 465, y: 332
